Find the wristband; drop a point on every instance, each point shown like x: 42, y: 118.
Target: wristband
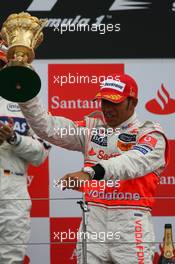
x: 99, y: 172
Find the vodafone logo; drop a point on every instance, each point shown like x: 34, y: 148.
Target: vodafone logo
x: 162, y: 104
x: 148, y: 139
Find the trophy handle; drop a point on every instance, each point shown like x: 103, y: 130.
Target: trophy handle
x: 37, y: 39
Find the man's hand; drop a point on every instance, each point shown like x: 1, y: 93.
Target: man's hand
x: 6, y: 132
x: 74, y: 180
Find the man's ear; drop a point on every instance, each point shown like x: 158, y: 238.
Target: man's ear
x: 134, y: 102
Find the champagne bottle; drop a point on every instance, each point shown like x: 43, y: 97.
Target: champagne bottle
x: 168, y: 256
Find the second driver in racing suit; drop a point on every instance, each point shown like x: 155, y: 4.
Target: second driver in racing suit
x: 132, y: 155
x: 19, y: 147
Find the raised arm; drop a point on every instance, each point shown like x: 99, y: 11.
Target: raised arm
x: 56, y: 130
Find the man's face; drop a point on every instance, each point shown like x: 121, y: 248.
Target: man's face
x: 117, y: 113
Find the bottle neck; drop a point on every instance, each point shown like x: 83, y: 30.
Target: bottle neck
x: 168, y: 247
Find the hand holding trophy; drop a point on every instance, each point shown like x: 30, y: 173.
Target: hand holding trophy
x: 21, y: 33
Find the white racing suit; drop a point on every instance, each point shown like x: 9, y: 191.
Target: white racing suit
x: 15, y: 203
x: 133, y: 156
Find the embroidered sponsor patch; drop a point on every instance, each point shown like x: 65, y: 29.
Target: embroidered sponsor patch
x: 127, y: 137
x: 126, y: 141
x: 124, y: 146
x: 91, y: 152
x: 13, y: 107
x: 138, y: 214
x: 20, y: 124
x: 148, y: 140
x: 142, y: 149
x: 113, y: 84
x: 81, y: 123
x: 100, y: 138
x: 112, y: 96
x: 128, y: 126
x: 104, y: 156
x: 101, y: 141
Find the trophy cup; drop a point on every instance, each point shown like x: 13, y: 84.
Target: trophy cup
x: 22, y: 33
